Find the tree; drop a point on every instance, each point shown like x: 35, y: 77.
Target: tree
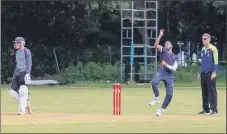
x: 69, y: 26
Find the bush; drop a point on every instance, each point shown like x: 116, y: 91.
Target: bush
x: 71, y: 74
x: 190, y: 74
x: 89, y: 72
x: 92, y: 71
x: 187, y: 74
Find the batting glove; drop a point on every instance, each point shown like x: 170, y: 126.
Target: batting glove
x: 27, y: 79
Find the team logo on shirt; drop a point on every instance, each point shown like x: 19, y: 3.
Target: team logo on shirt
x: 202, y: 54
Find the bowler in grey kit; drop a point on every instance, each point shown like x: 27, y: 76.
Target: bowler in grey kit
x: 21, y: 77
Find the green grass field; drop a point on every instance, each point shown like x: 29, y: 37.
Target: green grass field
x: 85, y: 109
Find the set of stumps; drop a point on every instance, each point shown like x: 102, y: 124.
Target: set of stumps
x: 117, y: 99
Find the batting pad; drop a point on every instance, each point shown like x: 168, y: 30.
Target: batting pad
x: 23, y: 99
x: 14, y: 94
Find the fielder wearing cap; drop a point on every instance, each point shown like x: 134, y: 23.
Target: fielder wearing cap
x: 165, y: 73
x: 207, y: 75
x: 21, y: 77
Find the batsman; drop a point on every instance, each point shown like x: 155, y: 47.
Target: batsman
x: 165, y: 73
x: 21, y: 77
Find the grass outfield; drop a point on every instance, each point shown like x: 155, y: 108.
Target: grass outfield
x: 82, y: 109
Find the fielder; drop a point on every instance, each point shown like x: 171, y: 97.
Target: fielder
x: 21, y: 77
x: 165, y: 73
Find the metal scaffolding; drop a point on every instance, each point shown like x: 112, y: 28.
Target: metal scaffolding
x: 148, y: 25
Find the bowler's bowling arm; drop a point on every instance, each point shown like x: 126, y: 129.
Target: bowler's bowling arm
x: 156, y: 44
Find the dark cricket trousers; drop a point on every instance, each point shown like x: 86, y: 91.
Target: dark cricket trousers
x: 168, y: 80
x: 209, y: 92
x: 17, y: 80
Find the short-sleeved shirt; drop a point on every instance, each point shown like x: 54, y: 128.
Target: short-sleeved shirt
x: 209, y: 58
x: 169, y: 58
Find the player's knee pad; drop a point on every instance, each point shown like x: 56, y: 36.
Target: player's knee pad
x: 23, y: 91
x: 23, y: 99
x: 14, y: 94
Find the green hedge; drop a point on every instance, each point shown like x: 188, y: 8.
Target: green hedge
x: 89, y: 72
x: 190, y: 74
x: 97, y: 72
x: 187, y: 74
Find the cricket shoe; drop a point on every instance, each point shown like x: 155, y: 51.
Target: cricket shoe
x: 21, y: 113
x: 160, y: 112
x: 156, y: 100
x: 204, y: 112
x: 214, y: 113
x: 28, y: 109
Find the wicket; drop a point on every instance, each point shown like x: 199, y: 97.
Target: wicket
x: 117, y: 99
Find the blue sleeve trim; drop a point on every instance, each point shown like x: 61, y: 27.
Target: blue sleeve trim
x: 215, y: 68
